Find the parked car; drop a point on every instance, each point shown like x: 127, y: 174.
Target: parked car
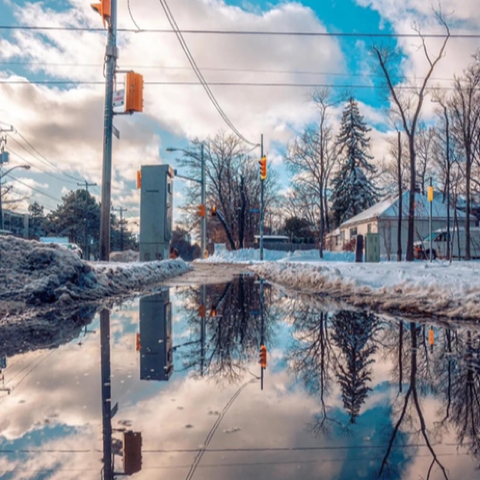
x: 64, y: 243
x: 439, y: 244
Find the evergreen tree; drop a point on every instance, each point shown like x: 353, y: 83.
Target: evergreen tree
x: 353, y: 333
x: 353, y: 191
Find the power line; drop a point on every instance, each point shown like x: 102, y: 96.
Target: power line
x: 246, y: 32
x: 198, y: 73
x: 41, y: 192
x: 225, y: 84
x: 131, y: 15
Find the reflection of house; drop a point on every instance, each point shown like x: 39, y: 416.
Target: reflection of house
x: 156, y: 354
x: 382, y: 218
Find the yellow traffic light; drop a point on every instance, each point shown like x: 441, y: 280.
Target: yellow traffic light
x: 139, y: 179
x: 430, y: 194
x: 263, y: 168
x: 201, y: 210
x: 214, y: 211
x: 263, y: 356
x: 103, y: 9
x: 134, y: 92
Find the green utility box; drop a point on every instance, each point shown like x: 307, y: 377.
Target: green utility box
x: 372, y: 247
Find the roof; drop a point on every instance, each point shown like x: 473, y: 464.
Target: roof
x: 389, y: 208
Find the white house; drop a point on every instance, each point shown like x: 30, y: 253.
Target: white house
x: 382, y: 218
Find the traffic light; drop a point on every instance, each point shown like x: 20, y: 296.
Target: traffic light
x: 201, y: 210
x: 139, y: 179
x: 263, y: 168
x: 132, y: 452
x: 103, y: 9
x: 214, y: 211
x: 138, y: 345
x: 213, y: 311
x: 202, y: 311
x: 430, y: 194
x: 263, y: 356
x: 134, y: 92
x: 431, y: 337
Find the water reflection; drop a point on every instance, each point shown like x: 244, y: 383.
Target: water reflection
x: 347, y: 394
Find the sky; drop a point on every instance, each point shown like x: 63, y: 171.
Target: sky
x: 64, y: 123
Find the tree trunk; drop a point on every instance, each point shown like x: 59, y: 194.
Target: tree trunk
x: 411, y: 207
x: 241, y: 217
x: 400, y: 199
x: 467, y: 209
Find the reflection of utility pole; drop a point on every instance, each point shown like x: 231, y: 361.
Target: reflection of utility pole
x: 121, y: 210
x: 3, y: 366
x: 262, y: 334
x: 202, y: 330
x: 87, y: 246
x: 106, y: 395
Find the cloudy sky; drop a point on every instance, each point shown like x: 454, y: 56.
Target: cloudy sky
x: 63, y: 123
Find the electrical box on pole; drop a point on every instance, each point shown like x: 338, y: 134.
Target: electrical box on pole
x: 134, y: 92
x: 156, y: 212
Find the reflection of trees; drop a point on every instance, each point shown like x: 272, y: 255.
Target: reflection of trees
x: 406, y: 414
x: 353, y: 334
x: 232, y: 327
x: 311, y: 359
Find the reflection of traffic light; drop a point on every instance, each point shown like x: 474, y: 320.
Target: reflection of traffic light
x: 263, y: 356
x: 214, y: 211
x: 201, y: 210
x: 103, y: 8
x: 213, y: 311
x: 202, y: 311
x: 139, y: 179
x: 134, y: 92
x: 431, y: 336
x: 132, y: 452
x: 263, y: 168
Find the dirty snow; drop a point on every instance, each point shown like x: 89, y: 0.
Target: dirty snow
x: 126, y: 256
x: 419, y: 288
x: 251, y: 255
x: 32, y: 273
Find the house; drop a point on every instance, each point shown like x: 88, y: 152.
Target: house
x: 382, y: 218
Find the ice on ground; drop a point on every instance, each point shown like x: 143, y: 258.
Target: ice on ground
x: 33, y: 273
x: 420, y: 288
x: 251, y: 255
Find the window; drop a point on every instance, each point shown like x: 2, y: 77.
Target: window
x: 353, y: 232
x: 369, y: 228
x: 342, y: 236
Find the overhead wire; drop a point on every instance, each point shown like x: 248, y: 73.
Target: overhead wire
x: 198, y: 73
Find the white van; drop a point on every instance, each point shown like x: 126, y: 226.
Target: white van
x: 439, y: 244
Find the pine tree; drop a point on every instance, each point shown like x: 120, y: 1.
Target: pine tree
x: 353, y: 191
x: 353, y: 333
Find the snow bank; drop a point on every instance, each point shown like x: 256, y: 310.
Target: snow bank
x: 34, y: 274
x: 250, y: 255
x: 420, y: 288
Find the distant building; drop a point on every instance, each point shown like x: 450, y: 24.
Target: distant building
x: 382, y: 218
x: 16, y: 223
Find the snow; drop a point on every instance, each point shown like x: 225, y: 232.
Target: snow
x: 251, y: 255
x: 420, y: 289
x: 34, y: 274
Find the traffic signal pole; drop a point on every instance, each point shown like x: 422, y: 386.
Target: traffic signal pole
x: 262, y: 206
x: 111, y: 61
x: 203, y: 200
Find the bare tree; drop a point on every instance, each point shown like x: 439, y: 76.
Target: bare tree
x: 311, y: 158
x: 409, y: 108
x: 465, y: 105
x: 425, y: 144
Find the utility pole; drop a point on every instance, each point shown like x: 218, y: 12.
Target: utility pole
x: 121, y: 210
x: 111, y: 62
x: 87, y: 245
x: 262, y: 206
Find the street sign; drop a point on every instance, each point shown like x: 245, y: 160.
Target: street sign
x: 114, y: 410
x: 119, y: 98
x: 116, y: 131
x: 4, y: 157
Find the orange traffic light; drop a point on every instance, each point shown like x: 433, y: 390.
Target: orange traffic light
x: 263, y: 356
x: 431, y: 337
x: 132, y: 452
x: 134, y: 92
x: 138, y: 345
x: 201, y: 210
x: 213, y: 311
x: 139, y: 179
x: 263, y: 168
x: 214, y: 211
x: 103, y: 9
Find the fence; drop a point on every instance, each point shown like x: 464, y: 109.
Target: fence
x: 284, y: 247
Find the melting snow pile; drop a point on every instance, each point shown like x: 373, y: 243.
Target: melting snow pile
x: 419, y: 288
x: 126, y: 256
x: 33, y: 273
x: 251, y: 255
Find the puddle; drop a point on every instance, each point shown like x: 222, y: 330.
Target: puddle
x: 170, y: 386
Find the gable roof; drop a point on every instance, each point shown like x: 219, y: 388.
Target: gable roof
x: 389, y: 208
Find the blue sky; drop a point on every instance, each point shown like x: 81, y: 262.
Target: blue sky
x: 65, y: 123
